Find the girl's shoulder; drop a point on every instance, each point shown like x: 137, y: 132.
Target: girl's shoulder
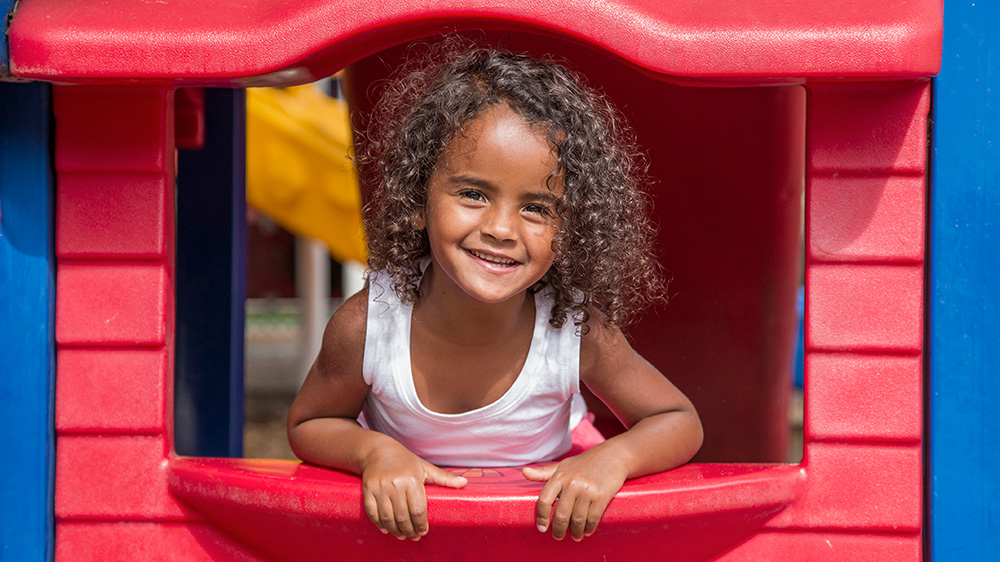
x: 354, y: 310
x: 334, y: 386
x: 603, y: 347
x: 344, y: 337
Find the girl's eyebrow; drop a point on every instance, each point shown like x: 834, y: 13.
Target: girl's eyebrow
x: 546, y: 196
x: 472, y: 180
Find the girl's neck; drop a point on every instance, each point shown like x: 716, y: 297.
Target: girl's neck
x: 444, y: 308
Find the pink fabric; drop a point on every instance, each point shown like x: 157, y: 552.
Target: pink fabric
x: 583, y: 437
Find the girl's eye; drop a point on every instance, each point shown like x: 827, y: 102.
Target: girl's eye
x: 538, y: 209
x: 472, y: 194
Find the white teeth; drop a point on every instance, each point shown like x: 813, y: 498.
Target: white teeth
x: 493, y: 259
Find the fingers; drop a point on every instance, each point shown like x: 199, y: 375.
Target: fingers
x: 575, y: 514
x: 571, y: 508
x: 400, y: 511
x: 412, y: 506
x: 441, y: 477
x: 566, y: 513
x: 380, y: 511
x: 416, y: 500
x: 371, y: 509
x: 593, y: 517
x: 546, y: 498
x: 539, y: 474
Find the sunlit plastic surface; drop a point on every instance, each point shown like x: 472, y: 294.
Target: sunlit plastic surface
x: 860, y: 151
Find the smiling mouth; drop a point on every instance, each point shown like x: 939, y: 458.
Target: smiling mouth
x: 498, y: 261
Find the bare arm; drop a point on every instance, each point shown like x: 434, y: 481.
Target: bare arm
x: 663, y: 432
x: 322, y: 426
x: 323, y: 430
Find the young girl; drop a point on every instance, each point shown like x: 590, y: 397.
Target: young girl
x: 508, y: 242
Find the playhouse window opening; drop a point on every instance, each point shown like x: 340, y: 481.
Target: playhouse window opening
x: 724, y: 163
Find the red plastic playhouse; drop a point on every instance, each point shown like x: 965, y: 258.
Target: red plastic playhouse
x: 740, y: 106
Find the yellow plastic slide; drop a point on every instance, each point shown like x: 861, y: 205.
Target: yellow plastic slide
x: 298, y: 170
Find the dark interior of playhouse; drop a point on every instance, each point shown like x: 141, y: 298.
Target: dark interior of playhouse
x: 727, y: 168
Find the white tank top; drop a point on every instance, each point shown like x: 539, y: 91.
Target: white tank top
x: 530, y: 423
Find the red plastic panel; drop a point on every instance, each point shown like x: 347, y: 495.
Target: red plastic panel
x: 873, y: 487
x: 145, y: 542
x: 115, y: 477
x: 866, y: 218
x: 111, y: 215
x: 110, y: 390
x: 114, y: 325
x: 189, y: 118
x: 853, y: 397
x: 869, y: 126
x: 196, y: 42
x: 863, y: 425
x: 111, y: 303
x: 828, y: 547
x: 123, y: 125
x: 864, y: 307
x: 293, y: 512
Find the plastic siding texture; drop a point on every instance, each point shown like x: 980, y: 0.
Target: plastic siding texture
x: 115, y: 333
x: 864, y: 325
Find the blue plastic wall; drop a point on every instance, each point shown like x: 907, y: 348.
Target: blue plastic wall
x: 27, y: 296
x: 964, y: 290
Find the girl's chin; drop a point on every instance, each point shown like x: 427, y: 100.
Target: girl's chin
x: 491, y: 295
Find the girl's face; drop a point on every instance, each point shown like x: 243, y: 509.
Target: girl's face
x: 490, y: 207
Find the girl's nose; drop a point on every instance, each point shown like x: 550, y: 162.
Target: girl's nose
x: 499, y: 224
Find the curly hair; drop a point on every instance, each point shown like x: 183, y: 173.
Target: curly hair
x: 604, y: 249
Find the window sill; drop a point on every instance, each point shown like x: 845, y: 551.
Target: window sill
x: 287, y: 510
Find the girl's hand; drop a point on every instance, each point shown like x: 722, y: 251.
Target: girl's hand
x: 584, y: 486
x: 393, y: 482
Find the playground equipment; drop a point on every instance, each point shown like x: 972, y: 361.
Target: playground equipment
x: 739, y: 106
x: 298, y: 170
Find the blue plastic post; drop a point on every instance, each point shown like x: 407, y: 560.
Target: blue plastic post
x: 211, y: 283
x: 964, y: 289
x: 27, y: 309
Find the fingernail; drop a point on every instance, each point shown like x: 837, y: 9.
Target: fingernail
x: 541, y: 528
x: 384, y: 532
